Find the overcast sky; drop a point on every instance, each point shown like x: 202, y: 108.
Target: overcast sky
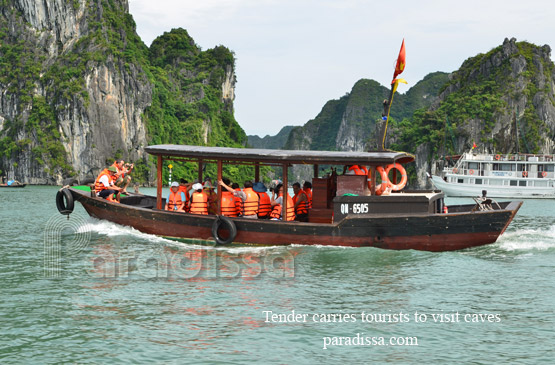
x: 292, y: 56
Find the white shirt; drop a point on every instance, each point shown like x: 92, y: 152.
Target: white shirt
x: 105, y: 181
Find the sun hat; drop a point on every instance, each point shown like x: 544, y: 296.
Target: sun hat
x: 175, y: 183
x: 208, y: 185
x: 197, y: 186
x: 112, y: 169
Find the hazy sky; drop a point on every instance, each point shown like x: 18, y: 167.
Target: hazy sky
x: 292, y: 56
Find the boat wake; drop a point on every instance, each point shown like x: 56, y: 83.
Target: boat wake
x: 110, y: 229
x: 528, y: 239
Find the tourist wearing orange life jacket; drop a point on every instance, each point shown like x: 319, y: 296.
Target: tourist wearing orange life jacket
x: 176, y: 199
x: 184, y: 187
x: 199, y: 200
x: 307, y: 188
x: 104, y: 185
x: 277, y: 206
x: 300, y: 202
x: 264, y: 205
x: 227, y: 203
x: 238, y: 201
x: 248, y: 196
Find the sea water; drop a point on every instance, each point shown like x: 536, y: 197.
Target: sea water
x: 89, y: 291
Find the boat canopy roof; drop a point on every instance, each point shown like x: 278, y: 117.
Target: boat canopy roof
x: 377, y: 158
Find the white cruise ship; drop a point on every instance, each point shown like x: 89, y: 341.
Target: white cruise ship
x: 501, y: 175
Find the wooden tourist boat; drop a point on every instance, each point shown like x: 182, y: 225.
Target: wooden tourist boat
x: 346, y: 209
x: 14, y: 184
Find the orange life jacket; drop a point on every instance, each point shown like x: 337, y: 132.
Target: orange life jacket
x: 98, y: 186
x: 302, y: 208
x: 185, y: 191
x: 199, y: 203
x: 238, y: 204
x: 276, y: 212
x: 308, y: 193
x: 250, y: 206
x: 264, y: 205
x: 228, y: 204
x: 174, y: 200
x: 359, y: 170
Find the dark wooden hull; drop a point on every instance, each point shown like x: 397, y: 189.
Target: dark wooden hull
x: 428, y: 232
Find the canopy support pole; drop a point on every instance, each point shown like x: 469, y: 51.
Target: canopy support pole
x: 200, y: 171
x: 372, y: 178
x: 285, y: 194
x: 159, y: 183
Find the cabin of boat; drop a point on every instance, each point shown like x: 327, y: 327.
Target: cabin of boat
x: 502, y: 175
x: 330, y: 193
x: 347, y: 211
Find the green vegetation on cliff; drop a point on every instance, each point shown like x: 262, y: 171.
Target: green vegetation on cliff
x: 358, y: 111
x: 187, y: 107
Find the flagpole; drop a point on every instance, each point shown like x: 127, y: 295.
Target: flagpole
x: 399, y: 68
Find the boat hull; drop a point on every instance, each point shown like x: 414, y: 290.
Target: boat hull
x: 13, y: 186
x: 429, y: 232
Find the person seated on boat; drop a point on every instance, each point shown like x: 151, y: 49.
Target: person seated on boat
x: 184, y: 187
x: 199, y: 200
x: 122, y: 177
x: 228, y: 206
x: 277, y: 201
x: 176, y: 199
x: 300, y: 203
x: 212, y: 197
x: 238, y: 200
x: 264, y: 206
x: 104, y: 185
x: 247, y: 196
x: 307, y: 188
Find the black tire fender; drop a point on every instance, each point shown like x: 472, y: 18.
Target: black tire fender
x: 64, y: 202
x: 227, y: 223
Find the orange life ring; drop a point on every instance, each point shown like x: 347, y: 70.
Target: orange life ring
x: 455, y: 170
x: 385, y: 181
x: 497, y: 157
x: 544, y: 174
x: 471, y: 172
x: 524, y: 173
x: 401, y: 169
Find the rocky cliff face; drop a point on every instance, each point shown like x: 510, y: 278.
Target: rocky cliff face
x: 97, y: 119
x: 492, y: 99
x: 77, y: 89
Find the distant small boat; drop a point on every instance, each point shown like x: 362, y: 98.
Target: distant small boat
x: 501, y: 175
x: 13, y: 184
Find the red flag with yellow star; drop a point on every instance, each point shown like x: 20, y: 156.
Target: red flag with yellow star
x: 400, y: 65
